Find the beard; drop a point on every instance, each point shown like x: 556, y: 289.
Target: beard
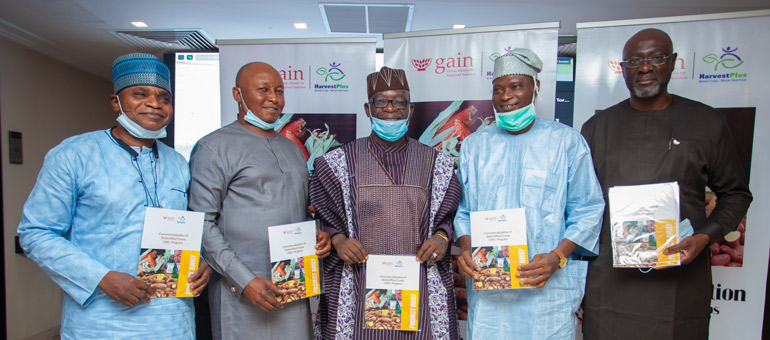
x: 647, y: 92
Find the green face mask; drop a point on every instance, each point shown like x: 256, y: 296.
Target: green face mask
x: 516, y: 120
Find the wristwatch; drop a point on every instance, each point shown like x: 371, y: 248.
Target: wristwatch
x: 562, y: 258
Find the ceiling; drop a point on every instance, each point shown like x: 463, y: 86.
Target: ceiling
x: 81, y: 32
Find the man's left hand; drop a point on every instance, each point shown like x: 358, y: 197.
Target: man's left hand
x: 689, y: 247
x: 434, y: 245
x: 200, y: 278
x: 323, y: 245
x: 537, y: 272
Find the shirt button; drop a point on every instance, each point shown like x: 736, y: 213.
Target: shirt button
x: 232, y: 289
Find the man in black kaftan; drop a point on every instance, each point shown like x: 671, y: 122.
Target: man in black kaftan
x: 656, y: 137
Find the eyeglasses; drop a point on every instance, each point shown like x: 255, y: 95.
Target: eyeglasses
x: 653, y: 61
x: 398, y: 103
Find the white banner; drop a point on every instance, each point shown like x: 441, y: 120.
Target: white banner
x: 324, y: 86
x: 450, y: 75
x: 721, y: 62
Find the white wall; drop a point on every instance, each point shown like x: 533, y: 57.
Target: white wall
x: 47, y: 101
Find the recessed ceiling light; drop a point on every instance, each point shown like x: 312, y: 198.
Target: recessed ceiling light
x: 139, y: 23
x: 300, y: 25
x: 458, y: 26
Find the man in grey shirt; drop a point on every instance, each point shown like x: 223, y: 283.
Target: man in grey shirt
x: 246, y: 177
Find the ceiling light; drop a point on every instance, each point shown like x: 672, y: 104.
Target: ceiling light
x: 300, y: 25
x: 458, y: 26
x: 139, y: 23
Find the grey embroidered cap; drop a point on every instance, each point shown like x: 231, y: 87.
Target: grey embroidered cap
x: 518, y: 61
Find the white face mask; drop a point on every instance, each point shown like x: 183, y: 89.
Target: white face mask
x: 137, y: 130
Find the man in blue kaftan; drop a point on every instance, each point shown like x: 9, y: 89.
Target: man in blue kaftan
x: 544, y: 167
x: 83, y: 221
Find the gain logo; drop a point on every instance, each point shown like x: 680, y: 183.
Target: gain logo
x: 333, y: 72
x: 728, y: 60
x: 421, y: 64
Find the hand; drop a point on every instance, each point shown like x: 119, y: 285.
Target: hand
x: 323, y: 245
x: 465, y: 263
x: 689, y: 247
x: 257, y: 292
x: 434, y: 245
x: 539, y: 270
x: 349, y: 249
x: 125, y: 289
x: 200, y: 278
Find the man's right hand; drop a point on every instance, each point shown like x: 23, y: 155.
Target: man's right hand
x: 465, y: 263
x: 257, y: 292
x: 125, y: 289
x: 349, y: 249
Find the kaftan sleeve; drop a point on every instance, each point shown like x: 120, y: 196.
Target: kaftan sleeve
x: 462, y: 222
x: 326, y: 196
x: 45, y: 226
x: 208, y: 187
x: 726, y: 178
x: 584, y: 208
x: 446, y: 213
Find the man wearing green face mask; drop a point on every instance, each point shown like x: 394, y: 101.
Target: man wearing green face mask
x: 544, y: 167
x: 386, y: 194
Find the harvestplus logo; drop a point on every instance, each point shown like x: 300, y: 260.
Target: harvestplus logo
x: 333, y: 74
x: 727, y: 62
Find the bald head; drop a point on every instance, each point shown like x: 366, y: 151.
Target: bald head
x: 249, y: 70
x: 259, y: 89
x: 647, y: 37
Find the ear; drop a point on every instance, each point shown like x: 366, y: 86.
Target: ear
x: 366, y: 110
x: 114, y: 103
x: 537, y: 86
x: 237, y: 95
x: 411, y: 112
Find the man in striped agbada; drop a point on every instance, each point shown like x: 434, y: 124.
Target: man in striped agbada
x: 386, y: 194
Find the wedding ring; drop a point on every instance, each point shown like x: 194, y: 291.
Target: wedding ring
x: 435, y: 255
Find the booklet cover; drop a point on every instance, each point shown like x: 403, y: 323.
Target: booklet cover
x: 392, y: 292
x: 644, y: 220
x: 171, y: 248
x: 499, y: 246
x: 294, y: 264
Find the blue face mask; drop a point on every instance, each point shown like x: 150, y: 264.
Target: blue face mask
x: 390, y: 130
x: 137, y: 130
x: 516, y: 120
x: 252, y: 119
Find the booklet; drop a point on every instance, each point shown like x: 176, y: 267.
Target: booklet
x: 170, y: 251
x: 295, y: 267
x: 644, y: 220
x: 392, y: 292
x: 499, y: 246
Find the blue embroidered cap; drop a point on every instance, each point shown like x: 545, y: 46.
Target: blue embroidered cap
x: 140, y: 69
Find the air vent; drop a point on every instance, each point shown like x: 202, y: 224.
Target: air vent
x: 159, y: 41
x: 362, y: 18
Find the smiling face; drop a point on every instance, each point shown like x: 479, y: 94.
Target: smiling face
x: 389, y: 112
x: 647, y: 81
x: 261, y: 90
x: 512, y: 92
x: 147, y: 105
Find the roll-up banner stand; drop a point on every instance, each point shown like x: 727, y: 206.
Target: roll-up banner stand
x: 324, y: 86
x: 450, y: 76
x: 721, y: 62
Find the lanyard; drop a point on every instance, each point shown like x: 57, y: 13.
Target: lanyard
x: 150, y: 201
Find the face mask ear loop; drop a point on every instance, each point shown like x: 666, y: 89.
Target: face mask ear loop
x: 243, y: 102
x: 120, y: 106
